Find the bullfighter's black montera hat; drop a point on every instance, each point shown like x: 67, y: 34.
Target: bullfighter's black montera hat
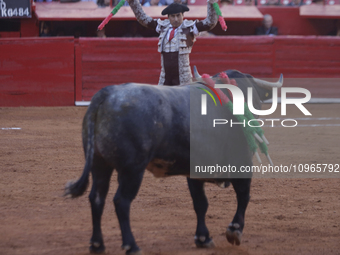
x: 175, y: 8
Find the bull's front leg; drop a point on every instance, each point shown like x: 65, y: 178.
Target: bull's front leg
x: 129, y: 183
x: 202, y: 238
x: 235, y: 228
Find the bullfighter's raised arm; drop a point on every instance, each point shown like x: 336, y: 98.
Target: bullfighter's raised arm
x: 141, y: 16
x: 210, y: 21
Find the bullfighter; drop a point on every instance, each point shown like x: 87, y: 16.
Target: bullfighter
x: 176, y: 38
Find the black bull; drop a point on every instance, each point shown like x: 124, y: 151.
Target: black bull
x: 133, y: 127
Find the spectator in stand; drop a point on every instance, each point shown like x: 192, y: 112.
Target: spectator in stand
x: 273, y: 3
x: 101, y: 3
x: 226, y: 2
x: 69, y: 1
x: 45, y: 30
x: 101, y: 33
x: 142, y: 2
x: 168, y: 2
x: 95, y: 1
x: 162, y: 2
x: 267, y: 28
x: 152, y: 3
x: 78, y: 32
x: 296, y: 3
x: 185, y: 2
x: 336, y: 30
x: 319, y: 2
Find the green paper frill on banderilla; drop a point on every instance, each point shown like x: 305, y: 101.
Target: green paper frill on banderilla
x: 118, y: 6
x: 220, y: 17
x: 249, y: 131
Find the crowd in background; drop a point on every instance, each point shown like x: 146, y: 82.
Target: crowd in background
x: 146, y: 3
x: 267, y: 27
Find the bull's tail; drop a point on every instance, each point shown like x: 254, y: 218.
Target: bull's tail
x: 77, y: 188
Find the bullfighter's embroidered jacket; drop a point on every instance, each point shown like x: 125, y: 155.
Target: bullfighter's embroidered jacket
x: 175, y: 53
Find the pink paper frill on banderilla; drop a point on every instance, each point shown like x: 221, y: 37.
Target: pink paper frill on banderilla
x: 222, y: 23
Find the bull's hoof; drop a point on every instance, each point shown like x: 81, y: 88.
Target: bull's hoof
x: 132, y: 251
x: 202, y: 242
x: 234, y: 234
x: 97, y: 248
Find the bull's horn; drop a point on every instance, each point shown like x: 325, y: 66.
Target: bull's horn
x: 196, y: 74
x: 269, y: 85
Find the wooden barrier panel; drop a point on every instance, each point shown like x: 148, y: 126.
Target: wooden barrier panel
x: 251, y: 54
x: 37, y: 72
x: 313, y: 62
x: 120, y: 60
x: 307, y: 56
x: 117, y: 60
x: 299, y: 58
x: 59, y: 71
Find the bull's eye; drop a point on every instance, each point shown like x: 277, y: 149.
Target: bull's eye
x: 267, y: 94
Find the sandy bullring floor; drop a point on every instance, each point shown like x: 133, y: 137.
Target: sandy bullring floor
x: 284, y: 216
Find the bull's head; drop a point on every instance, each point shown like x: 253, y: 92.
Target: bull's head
x: 262, y: 89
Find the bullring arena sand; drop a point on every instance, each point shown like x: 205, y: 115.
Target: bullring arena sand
x: 284, y: 216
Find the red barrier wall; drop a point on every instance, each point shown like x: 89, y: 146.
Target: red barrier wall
x: 120, y: 60
x: 315, y: 58
x: 250, y: 54
x: 58, y: 71
x: 37, y: 72
x: 302, y: 57
x: 115, y: 61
